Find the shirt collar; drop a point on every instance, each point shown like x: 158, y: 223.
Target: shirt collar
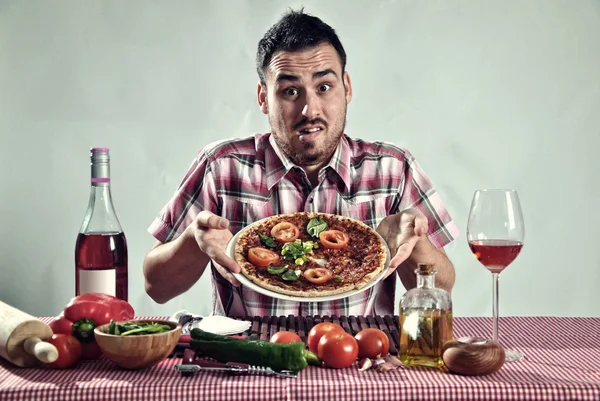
x: 278, y: 164
x: 340, y: 161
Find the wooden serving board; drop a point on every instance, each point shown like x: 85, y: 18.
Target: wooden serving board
x: 264, y: 327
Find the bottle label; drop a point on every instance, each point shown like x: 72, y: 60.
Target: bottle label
x: 103, y: 281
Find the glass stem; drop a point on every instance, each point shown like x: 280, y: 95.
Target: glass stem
x: 496, y: 278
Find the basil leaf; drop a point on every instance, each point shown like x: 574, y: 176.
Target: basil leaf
x: 268, y: 241
x: 316, y: 226
x: 339, y: 278
x: 290, y: 275
x: 276, y: 270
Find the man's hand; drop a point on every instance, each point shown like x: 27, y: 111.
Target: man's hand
x: 402, y: 231
x: 212, y: 235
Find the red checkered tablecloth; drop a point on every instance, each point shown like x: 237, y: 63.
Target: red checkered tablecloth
x: 562, y: 362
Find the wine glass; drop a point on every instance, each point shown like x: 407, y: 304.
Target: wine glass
x: 495, y: 232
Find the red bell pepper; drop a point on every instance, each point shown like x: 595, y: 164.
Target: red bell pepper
x: 84, y: 312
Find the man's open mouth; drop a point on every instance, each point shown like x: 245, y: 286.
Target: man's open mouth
x: 310, y: 130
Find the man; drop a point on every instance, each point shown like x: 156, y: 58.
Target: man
x: 306, y: 163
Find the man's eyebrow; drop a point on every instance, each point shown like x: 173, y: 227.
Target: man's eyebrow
x: 321, y: 74
x: 286, y: 77
x: 295, y: 78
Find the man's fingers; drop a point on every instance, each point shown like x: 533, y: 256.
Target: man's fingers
x: 227, y: 266
x: 227, y: 275
x: 402, y: 254
x: 421, y: 225
x: 211, y: 220
x: 221, y: 258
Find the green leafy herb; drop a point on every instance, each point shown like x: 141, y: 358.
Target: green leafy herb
x: 128, y: 329
x: 316, y: 226
x: 293, y: 250
x: 276, y: 270
x: 339, y: 278
x: 291, y: 275
x: 268, y: 241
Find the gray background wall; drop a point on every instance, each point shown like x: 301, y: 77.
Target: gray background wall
x: 483, y: 93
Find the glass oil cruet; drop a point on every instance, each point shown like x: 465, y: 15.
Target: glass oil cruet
x: 425, y: 321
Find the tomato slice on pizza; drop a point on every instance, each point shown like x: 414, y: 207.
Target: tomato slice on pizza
x: 285, y: 232
x: 262, y: 257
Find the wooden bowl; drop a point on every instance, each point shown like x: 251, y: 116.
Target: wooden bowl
x: 138, y: 351
x: 473, y: 356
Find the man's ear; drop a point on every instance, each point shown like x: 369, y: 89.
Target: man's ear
x: 261, y: 94
x: 348, y: 87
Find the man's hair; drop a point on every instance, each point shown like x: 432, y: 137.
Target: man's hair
x: 293, y: 32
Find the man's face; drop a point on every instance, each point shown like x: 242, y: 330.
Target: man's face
x: 306, y: 97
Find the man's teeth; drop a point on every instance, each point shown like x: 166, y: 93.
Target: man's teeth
x: 311, y: 130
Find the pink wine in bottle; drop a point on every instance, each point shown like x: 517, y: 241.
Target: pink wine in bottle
x: 101, y: 248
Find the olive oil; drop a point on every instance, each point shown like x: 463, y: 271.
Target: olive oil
x: 425, y: 321
x: 422, y: 334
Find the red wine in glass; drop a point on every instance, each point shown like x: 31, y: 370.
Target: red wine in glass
x: 495, y: 232
x: 495, y: 254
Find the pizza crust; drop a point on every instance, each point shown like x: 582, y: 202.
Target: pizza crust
x: 248, y: 269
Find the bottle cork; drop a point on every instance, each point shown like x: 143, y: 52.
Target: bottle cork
x: 425, y: 268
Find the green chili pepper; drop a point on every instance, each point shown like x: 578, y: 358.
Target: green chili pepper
x: 289, y: 356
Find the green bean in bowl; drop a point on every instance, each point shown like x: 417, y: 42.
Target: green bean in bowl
x: 136, y: 329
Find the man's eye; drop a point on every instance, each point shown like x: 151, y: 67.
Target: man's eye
x: 290, y: 92
x: 324, y: 87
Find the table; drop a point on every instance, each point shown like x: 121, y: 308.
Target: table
x: 562, y: 359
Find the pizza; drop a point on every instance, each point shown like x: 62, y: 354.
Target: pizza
x: 310, y: 254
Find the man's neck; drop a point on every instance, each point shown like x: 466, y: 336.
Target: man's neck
x: 313, y: 173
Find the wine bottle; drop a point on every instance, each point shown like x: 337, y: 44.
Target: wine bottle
x: 101, y: 248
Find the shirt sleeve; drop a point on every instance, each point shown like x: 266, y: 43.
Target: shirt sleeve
x: 416, y: 191
x: 195, y: 193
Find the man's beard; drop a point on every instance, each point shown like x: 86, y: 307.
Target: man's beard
x: 304, y: 159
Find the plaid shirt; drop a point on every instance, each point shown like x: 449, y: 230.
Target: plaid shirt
x: 245, y: 180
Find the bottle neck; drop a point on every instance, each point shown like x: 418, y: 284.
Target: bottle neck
x: 426, y: 280
x: 100, y: 216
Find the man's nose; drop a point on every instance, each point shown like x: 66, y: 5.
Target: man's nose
x: 312, y: 106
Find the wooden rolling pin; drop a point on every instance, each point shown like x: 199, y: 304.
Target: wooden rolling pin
x: 22, y: 338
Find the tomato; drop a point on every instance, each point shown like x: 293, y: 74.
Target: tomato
x: 262, y: 256
x: 69, y: 350
x: 285, y: 232
x: 334, y: 239
x: 319, y: 275
x: 337, y: 349
x: 315, y: 334
x: 371, y: 343
x: 283, y: 337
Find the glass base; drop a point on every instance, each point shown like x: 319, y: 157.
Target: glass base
x: 513, y: 356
